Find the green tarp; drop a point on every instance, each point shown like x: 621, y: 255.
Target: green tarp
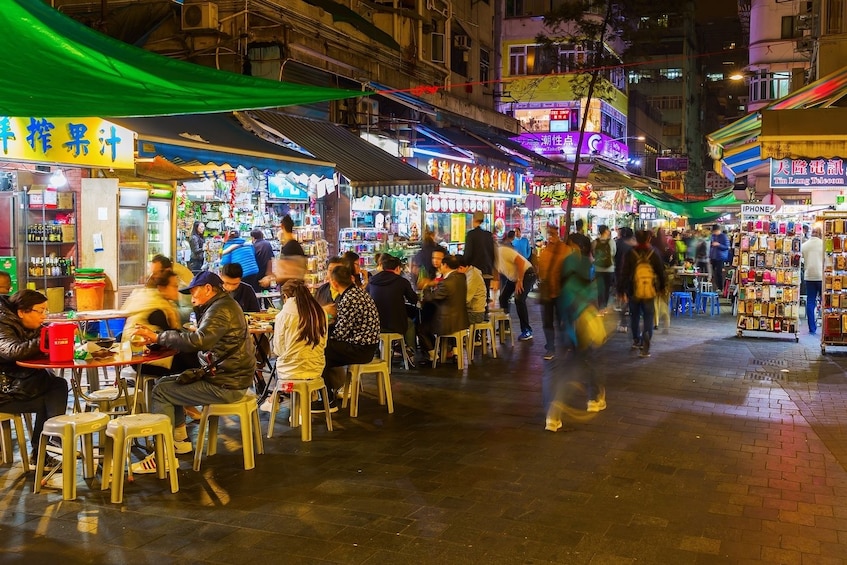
x: 694, y: 211
x: 57, y: 67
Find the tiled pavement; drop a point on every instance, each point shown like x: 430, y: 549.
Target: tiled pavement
x: 713, y: 450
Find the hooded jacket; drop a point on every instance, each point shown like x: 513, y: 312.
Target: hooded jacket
x: 390, y: 292
x: 16, y: 341
x: 221, y: 331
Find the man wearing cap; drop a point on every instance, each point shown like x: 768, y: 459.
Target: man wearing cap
x: 479, y: 252
x: 221, y: 342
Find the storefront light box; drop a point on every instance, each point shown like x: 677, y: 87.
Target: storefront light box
x: 281, y: 188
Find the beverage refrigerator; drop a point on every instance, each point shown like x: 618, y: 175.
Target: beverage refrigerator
x: 144, y: 230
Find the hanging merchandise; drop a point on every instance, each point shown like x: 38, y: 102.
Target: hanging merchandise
x: 767, y: 275
x: 834, y: 292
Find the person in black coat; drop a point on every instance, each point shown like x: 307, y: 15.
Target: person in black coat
x: 395, y: 299
x: 450, y: 297
x: 479, y: 252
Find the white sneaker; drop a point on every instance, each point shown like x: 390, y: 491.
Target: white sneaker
x: 553, y: 425
x: 146, y: 466
x: 596, y: 405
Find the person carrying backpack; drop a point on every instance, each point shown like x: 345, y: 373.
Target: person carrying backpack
x: 603, y: 250
x: 643, y: 278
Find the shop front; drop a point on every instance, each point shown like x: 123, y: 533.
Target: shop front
x: 42, y: 202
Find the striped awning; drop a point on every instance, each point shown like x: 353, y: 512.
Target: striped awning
x: 369, y: 170
x: 739, y: 160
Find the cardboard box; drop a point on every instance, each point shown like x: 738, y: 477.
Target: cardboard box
x: 68, y: 233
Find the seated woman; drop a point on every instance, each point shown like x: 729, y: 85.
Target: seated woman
x: 21, y: 316
x: 300, y: 333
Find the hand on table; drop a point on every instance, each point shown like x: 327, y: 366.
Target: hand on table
x: 147, y: 335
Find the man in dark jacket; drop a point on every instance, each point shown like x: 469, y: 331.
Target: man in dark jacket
x: 264, y: 255
x: 221, y: 341
x: 392, y: 294
x: 642, y: 307
x: 450, y: 298
x: 479, y: 252
x: 718, y: 255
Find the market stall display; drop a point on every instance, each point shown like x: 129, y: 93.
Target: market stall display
x: 767, y: 261
x: 311, y: 238
x: 364, y: 241
x: 834, y: 292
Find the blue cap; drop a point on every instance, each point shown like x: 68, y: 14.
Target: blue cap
x: 203, y: 278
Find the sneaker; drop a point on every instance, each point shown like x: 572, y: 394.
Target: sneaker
x: 525, y: 336
x: 50, y: 462
x: 553, y: 425
x: 318, y: 405
x: 146, y: 466
x: 182, y: 447
x: 636, y: 345
x: 596, y: 405
x: 645, y: 349
x: 549, y: 355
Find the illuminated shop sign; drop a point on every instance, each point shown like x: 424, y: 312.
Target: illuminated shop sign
x: 472, y: 177
x: 808, y: 173
x: 82, y: 142
x: 456, y: 203
x: 555, y: 195
x: 562, y: 146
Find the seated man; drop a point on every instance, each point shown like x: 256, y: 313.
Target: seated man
x: 220, y: 340
x: 394, y: 296
x: 241, y: 292
x: 355, y: 336
x: 324, y: 293
x: 449, y: 297
x: 476, y: 290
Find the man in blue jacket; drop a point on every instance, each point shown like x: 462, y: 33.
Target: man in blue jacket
x: 718, y: 255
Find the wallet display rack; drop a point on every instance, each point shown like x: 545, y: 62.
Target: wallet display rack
x: 767, y: 272
x: 834, y: 288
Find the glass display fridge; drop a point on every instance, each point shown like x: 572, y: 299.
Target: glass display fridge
x: 144, y: 230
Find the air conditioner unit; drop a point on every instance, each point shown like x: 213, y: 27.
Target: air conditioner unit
x: 461, y: 42
x: 368, y: 111
x: 805, y: 44
x: 804, y: 21
x: 199, y: 16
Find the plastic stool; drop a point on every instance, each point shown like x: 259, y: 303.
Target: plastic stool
x: 462, y: 338
x: 486, y: 335
x: 8, y: 455
x: 680, y: 302
x: 247, y: 410
x: 301, y: 405
x: 70, y: 427
x: 503, y: 324
x: 352, y: 385
x: 709, y: 303
x: 120, y: 432
x: 386, y: 346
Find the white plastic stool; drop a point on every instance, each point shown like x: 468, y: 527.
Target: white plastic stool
x: 70, y: 427
x: 486, y: 336
x: 247, y: 410
x: 301, y: 405
x: 503, y: 324
x: 462, y: 337
x: 120, y: 432
x: 8, y: 455
x: 386, y: 347
x: 352, y: 385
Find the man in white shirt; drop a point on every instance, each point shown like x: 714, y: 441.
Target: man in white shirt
x: 812, y: 251
x: 476, y: 290
x: 520, y: 278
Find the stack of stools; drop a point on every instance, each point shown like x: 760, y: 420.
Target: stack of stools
x: 486, y: 336
x: 503, y: 324
x: 680, y: 302
x: 463, y: 343
x: 8, y: 455
x: 120, y: 433
x: 301, y: 405
x: 247, y: 410
x: 352, y: 386
x: 69, y: 428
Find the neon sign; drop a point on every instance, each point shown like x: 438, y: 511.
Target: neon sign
x: 472, y: 177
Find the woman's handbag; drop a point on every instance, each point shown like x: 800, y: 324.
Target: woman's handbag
x: 23, y: 387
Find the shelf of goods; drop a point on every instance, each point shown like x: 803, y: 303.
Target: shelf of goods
x: 364, y: 241
x: 834, y: 291
x: 50, y: 244
x: 767, y: 275
x: 315, y: 247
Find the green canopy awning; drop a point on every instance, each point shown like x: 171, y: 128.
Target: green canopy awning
x: 57, y: 67
x: 694, y: 211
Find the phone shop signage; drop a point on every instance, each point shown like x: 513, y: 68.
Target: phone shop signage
x: 808, y: 173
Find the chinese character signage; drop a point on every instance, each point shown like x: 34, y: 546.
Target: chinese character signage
x: 647, y: 212
x: 562, y: 146
x: 672, y: 163
x: 82, y: 142
x: 473, y: 177
x: 556, y: 195
x: 808, y: 173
